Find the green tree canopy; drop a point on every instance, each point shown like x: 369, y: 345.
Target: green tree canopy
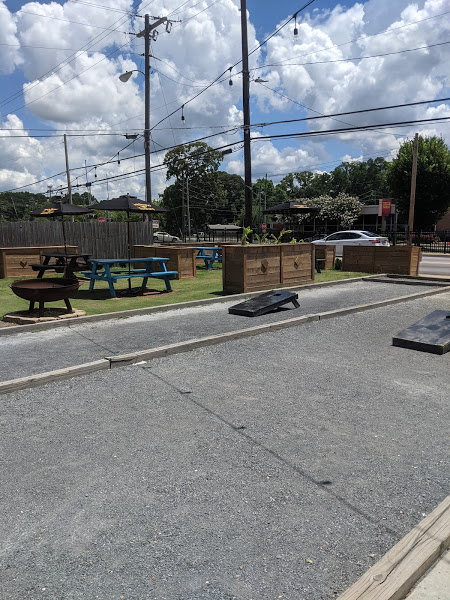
x: 195, y: 169
x: 432, y: 182
x: 16, y: 206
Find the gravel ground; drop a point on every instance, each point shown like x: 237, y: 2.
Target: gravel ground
x: 31, y: 353
x: 275, y: 467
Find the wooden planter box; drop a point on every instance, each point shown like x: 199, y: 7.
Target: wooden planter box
x: 266, y: 266
x: 15, y: 262
x: 326, y: 253
x: 181, y: 258
x: 400, y: 260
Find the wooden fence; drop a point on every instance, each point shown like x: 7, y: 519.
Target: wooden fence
x: 100, y: 240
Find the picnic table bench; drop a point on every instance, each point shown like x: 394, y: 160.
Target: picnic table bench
x: 153, y: 267
x: 210, y: 255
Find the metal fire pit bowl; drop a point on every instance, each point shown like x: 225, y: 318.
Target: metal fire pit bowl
x: 45, y: 290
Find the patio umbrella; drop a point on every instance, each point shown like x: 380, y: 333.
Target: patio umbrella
x: 294, y: 207
x: 129, y: 204
x: 60, y: 209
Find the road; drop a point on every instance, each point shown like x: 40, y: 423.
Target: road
x: 439, y: 266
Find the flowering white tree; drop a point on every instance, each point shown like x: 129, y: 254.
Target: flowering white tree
x: 344, y: 209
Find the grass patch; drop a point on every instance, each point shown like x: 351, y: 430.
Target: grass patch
x: 207, y: 284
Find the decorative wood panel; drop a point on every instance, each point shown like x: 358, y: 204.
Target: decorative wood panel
x: 266, y: 266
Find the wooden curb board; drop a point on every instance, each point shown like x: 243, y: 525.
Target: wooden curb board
x: 392, y: 577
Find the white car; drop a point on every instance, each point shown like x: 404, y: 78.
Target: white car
x: 163, y: 236
x: 353, y: 238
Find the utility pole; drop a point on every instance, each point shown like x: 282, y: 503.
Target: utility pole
x: 148, y: 181
x: 412, y: 198
x: 146, y: 34
x: 183, y: 212
x: 188, y: 210
x: 246, y: 108
x: 69, y: 187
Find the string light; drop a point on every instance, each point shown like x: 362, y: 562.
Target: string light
x: 230, y: 83
x: 295, y: 28
x: 182, y: 113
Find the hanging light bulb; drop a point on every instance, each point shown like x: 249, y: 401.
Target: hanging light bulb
x: 118, y: 158
x: 169, y: 26
x: 295, y: 27
x: 182, y: 113
x: 230, y: 83
x: 95, y: 172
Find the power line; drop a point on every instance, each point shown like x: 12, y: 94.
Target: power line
x: 338, y: 60
x: 350, y: 129
x: 27, y: 12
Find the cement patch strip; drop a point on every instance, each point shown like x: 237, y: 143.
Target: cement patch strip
x: 186, y: 346
x: 392, y: 577
x: 168, y: 307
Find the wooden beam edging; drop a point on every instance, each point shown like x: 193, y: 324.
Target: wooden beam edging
x: 188, y: 345
x: 392, y: 577
x: 212, y: 340
x: 48, y: 377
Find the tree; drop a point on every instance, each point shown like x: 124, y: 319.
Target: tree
x: 194, y: 167
x: 343, y: 209
x: 16, y: 206
x: 432, y: 181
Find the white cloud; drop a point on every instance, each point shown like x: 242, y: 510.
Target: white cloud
x: 9, y: 49
x: 84, y: 93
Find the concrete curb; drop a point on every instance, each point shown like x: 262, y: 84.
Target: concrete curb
x: 166, y: 307
x: 186, y: 346
x: 392, y: 577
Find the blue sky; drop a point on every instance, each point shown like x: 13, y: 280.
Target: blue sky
x: 347, y: 56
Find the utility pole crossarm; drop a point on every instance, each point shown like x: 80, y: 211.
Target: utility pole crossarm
x: 152, y: 26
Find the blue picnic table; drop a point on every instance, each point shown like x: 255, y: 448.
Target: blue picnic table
x: 153, y: 267
x: 209, y: 254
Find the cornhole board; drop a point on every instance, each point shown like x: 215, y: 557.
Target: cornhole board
x: 267, y: 302
x: 430, y: 334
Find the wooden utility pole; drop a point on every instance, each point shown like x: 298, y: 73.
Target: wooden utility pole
x: 412, y: 198
x: 246, y: 108
x: 69, y: 187
x: 188, y: 209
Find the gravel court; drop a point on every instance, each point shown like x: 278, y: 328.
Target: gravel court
x: 31, y: 353
x: 270, y: 467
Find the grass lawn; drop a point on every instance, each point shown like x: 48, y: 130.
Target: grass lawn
x: 207, y: 284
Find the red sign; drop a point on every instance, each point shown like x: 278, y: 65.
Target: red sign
x: 101, y: 220
x: 385, y: 207
x: 264, y: 226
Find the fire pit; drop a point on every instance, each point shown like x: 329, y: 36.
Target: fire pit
x: 45, y: 290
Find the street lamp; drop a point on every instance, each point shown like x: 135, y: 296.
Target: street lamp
x: 124, y: 78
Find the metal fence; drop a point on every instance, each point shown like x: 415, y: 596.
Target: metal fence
x: 429, y: 241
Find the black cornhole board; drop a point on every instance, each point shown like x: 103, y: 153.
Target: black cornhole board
x: 264, y: 303
x: 430, y: 334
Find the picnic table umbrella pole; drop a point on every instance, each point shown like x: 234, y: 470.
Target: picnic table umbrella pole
x: 128, y: 204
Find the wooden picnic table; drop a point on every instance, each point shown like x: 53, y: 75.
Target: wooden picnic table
x: 153, y: 267
x: 66, y: 263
